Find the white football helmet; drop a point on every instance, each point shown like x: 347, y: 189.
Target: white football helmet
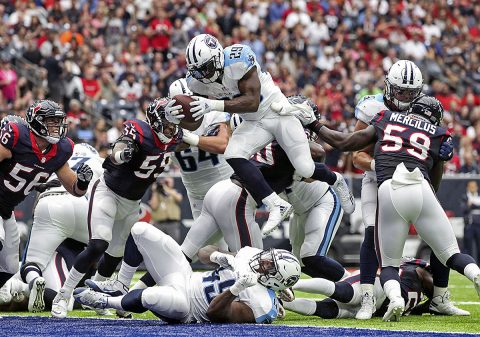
x: 205, y: 59
x: 403, y: 84
x: 278, y: 269
x: 84, y: 150
x: 179, y: 87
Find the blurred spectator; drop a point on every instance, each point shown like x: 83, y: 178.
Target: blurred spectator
x: 165, y: 203
x: 115, y: 131
x: 471, y: 208
x: 8, y: 80
x: 84, y: 130
x: 91, y: 86
x: 129, y: 89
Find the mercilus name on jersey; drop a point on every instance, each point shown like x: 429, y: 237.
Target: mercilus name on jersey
x: 416, y: 123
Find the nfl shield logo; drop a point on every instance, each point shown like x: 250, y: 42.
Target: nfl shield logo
x: 211, y: 41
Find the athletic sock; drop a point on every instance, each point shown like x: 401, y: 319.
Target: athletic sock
x: 125, y: 274
x: 368, y: 257
x: 440, y: 273
x: 72, y: 281
x: 323, y: 173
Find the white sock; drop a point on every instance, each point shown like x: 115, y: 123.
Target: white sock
x: 367, y: 288
x: 471, y: 270
x: 139, y: 285
x: 439, y: 291
x: 99, y: 277
x: 270, y: 200
x: 31, y: 275
x: 392, y: 289
x: 125, y: 274
x: 115, y: 302
x: 302, y: 306
x: 316, y: 286
x: 72, y: 281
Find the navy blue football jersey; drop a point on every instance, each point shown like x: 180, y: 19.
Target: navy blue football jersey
x: 130, y: 180
x: 411, y: 285
x: 275, y: 166
x: 28, y: 166
x: 404, y: 138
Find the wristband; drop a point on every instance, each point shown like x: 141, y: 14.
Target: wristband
x: 236, y: 289
x: 218, y: 105
x: 372, y: 165
x: 82, y: 185
x: 191, y: 138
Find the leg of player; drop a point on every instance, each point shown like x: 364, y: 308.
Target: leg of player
x: 9, y: 252
x: 443, y: 241
x: 368, y: 256
x: 291, y: 136
x: 248, y: 138
x: 441, y: 303
x: 339, y: 291
x: 326, y: 309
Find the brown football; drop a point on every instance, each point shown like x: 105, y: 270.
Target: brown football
x: 188, y: 122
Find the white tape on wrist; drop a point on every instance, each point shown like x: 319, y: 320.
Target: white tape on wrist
x: 191, y: 138
x: 117, y: 157
x: 218, y: 105
x: 372, y: 165
x: 236, y: 289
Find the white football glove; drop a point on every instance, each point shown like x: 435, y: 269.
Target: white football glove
x: 302, y: 111
x: 226, y: 261
x: 243, y: 282
x: 173, y: 114
x: 190, y: 138
x: 201, y: 106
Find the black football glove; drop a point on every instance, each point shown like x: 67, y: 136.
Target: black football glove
x: 43, y: 187
x: 84, y: 175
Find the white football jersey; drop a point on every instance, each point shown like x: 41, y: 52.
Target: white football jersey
x: 200, y: 169
x: 205, y: 286
x: 95, y: 162
x: 366, y: 109
x: 239, y: 59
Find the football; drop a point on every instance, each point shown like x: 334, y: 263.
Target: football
x: 188, y: 122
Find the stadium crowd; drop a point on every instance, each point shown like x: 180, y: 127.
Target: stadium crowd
x: 105, y: 60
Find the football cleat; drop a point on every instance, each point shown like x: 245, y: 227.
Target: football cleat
x: 36, y: 302
x: 343, y: 192
x: 5, y: 295
x: 60, y: 305
x: 279, y: 211
x: 286, y: 295
x: 441, y: 305
x: 368, y: 307
x: 476, y: 282
x: 112, y: 286
x: 91, y: 298
x: 394, y: 310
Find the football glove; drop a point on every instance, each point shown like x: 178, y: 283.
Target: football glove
x: 201, y: 106
x: 173, y: 113
x: 226, y: 261
x: 243, y: 282
x: 303, y: 112
x: 84, y: 175
x: 446, y: 150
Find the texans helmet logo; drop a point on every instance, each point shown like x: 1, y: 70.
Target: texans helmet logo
x: 211, y: 41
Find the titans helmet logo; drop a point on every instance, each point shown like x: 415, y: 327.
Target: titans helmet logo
x: 211, y: 41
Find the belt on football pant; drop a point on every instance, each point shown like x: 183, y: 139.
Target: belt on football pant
x: 236, y: 182
x: 48, y: 194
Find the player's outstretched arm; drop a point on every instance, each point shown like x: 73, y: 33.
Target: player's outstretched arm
x: 345, y: 141
x: 76, y: 183
x: 249, y: 99
x: 213, y: 144
x: 362, y: 159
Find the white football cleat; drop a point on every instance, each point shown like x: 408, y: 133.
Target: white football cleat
x: 286, y: 295
x: 280, y: 211
x: 394, y: 310
x: 91, y: 298
x: 343, y: 192
x: 112, y: 286
x: 441, y: 305
x: 368, y: 307
x: 476, y: 282
x: 5, y: 294
x: 60, y: 305
x: 36, y: 302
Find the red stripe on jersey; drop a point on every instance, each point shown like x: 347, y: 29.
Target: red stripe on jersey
x: 15, y: 133
x: 42, y: 157
x: 138, y: 128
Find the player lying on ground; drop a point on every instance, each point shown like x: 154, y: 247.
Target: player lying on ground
x: 407, y: 154
x: 242, y: 290
x: 345, y: 296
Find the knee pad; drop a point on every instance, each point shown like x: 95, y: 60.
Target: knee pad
x: 304, y: 168
x: 139, y: 228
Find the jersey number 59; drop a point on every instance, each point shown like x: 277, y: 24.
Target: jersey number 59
x: 418, y: 143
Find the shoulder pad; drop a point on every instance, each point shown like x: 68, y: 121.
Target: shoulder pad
x: 368, y: 107
x: 239, y: 59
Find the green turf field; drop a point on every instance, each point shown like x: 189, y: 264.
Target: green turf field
x: 462, y: 291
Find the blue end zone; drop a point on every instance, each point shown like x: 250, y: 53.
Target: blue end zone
x: 84, y: 327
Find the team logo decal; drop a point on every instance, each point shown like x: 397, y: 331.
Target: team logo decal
x: 211, y: 41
